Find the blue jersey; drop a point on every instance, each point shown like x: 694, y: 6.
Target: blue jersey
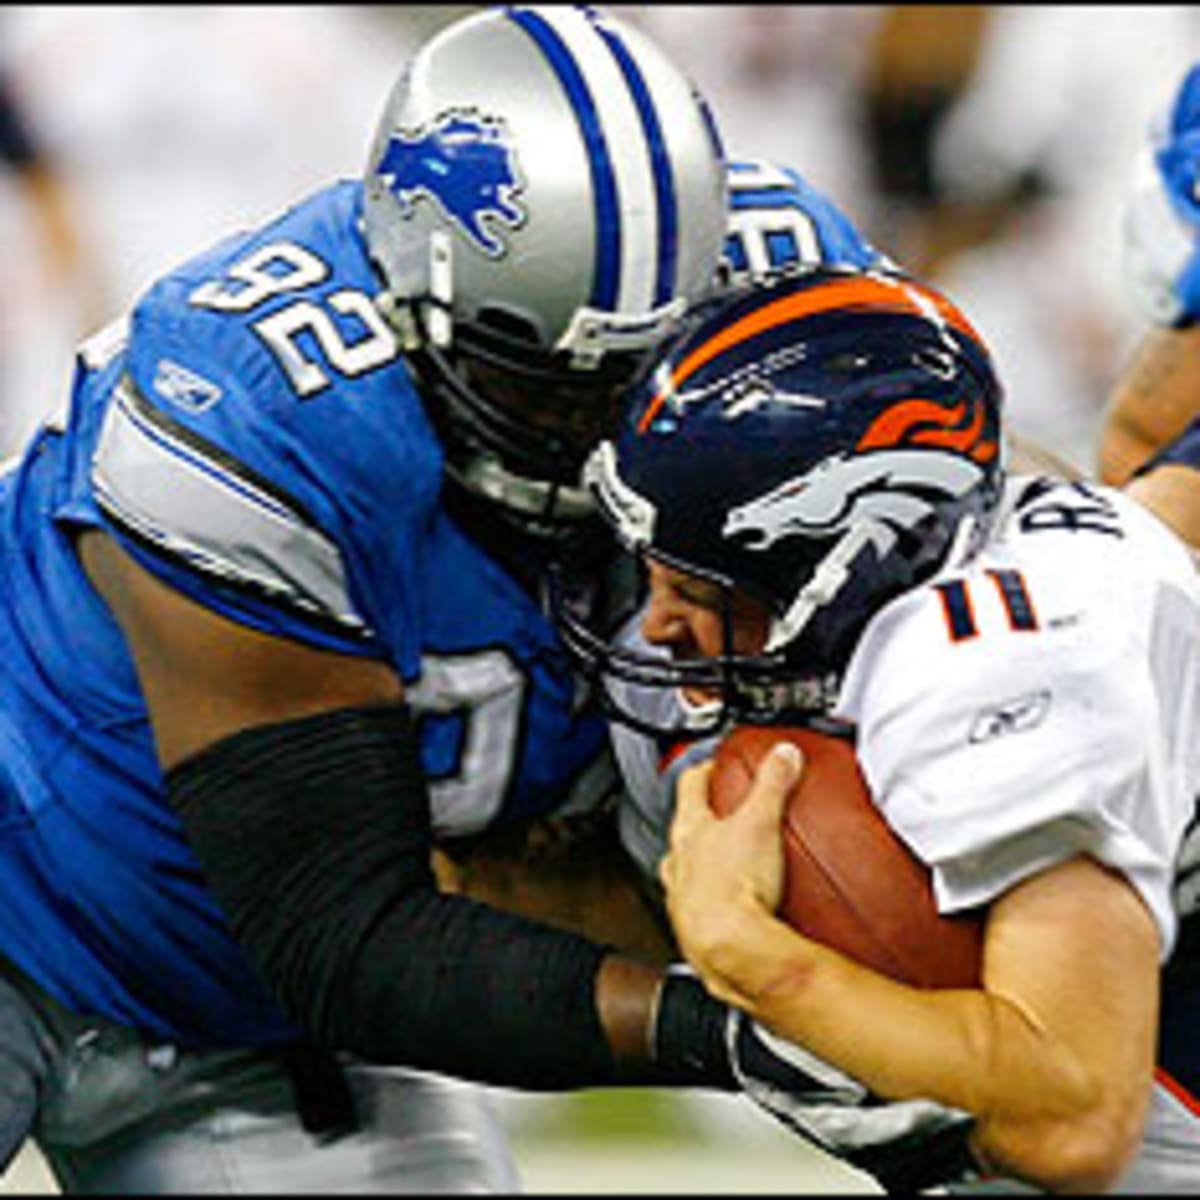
x: 778, y: 222
x: 255, y: 440
x: 253, y: 437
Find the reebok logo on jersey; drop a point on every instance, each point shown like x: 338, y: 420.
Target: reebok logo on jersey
x: 465, y: 165
x: 1018, y: 715
x: 185, y: 388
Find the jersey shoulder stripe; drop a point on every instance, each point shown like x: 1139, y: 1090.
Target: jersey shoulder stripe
x: 260, y: 443
x: 197, y: 507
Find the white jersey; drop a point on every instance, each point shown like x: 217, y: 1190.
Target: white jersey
x: 1039, y: 703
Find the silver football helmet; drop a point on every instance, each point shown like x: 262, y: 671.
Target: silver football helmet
x: 545, y: 197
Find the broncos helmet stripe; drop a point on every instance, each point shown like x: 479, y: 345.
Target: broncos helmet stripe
x: 613, y: 106
x: 857, y: 293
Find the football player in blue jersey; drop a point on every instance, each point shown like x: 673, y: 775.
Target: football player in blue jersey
x: 272, y: 628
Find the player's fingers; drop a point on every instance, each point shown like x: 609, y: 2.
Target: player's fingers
x: 774, y: 779
x: 691, y: 802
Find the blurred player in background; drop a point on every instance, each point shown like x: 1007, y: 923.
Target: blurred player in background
x: 55, y: 256
x: 46, y: 193
x: 813, y: 478
x: 1151, y: 440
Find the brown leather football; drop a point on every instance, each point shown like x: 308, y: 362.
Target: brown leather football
x: 850, y: 882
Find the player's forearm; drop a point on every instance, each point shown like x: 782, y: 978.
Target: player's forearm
x: 1155, y: 398
x: 344, y: 923
x: 1171, y: 493
x: 1042, y: 1113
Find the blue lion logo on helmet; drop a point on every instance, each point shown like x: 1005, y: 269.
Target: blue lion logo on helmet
x: 465, y: 165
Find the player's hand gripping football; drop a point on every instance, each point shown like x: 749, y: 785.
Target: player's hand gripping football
x: 1162, y: 216
x: 722, y: 875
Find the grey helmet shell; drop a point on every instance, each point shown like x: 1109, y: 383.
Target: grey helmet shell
x: 551, y: 164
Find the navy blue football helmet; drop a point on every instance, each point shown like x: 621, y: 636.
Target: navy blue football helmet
x: 825, y: 442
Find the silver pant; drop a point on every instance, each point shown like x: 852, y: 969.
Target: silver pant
x: 114, y: 1113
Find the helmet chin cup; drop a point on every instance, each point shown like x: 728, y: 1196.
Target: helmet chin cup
x: 700, y: 717
x: 593, y: 333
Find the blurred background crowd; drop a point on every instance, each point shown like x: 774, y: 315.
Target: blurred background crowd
x: 985, y: 147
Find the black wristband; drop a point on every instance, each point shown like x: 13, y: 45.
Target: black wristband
x: 689, y: 1036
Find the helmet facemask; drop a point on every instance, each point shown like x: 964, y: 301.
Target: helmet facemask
x: 793, y: 676
x: 517, y: 423
x: 766, y: 688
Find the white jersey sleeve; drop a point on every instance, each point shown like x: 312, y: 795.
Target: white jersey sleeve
x: 1040, y: 704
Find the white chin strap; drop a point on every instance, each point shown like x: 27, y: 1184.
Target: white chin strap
x: 486, y: 476
x: 696, y: 714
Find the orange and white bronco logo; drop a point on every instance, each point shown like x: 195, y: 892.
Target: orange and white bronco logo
x: 916, y: 455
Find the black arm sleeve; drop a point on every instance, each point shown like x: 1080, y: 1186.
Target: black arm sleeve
x: 314, y: 836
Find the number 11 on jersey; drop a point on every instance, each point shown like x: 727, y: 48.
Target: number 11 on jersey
x: 959, y: 611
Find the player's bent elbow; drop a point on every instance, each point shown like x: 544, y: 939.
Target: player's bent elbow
x: 1085, y: 1153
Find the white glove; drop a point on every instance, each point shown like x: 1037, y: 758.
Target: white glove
x: 907, y: 1145
x: 1162, y: 214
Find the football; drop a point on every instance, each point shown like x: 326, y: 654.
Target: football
x: 849, y: 881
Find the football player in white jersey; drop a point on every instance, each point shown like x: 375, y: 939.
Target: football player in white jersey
x: 814, y: 481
